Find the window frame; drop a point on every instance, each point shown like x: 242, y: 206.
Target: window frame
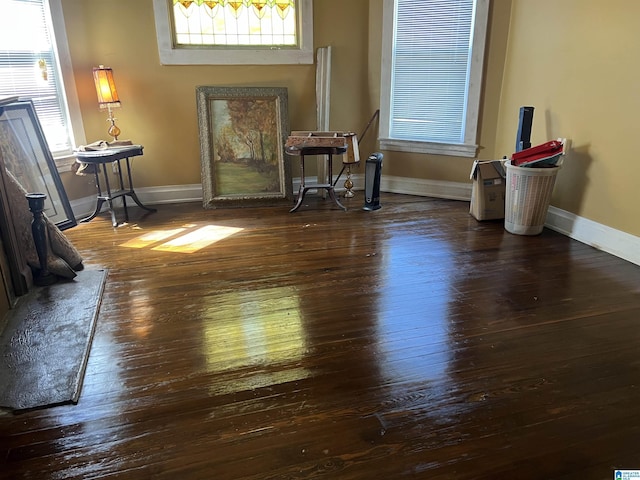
x: 233, y: 55
x: 468, y: 148
x: 65, y: 160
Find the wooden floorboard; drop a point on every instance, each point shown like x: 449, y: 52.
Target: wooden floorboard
x: 409, y: 342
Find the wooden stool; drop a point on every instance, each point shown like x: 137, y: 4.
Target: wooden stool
x: 312, y: 144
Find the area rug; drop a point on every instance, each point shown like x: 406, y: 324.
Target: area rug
x: 45, y: 345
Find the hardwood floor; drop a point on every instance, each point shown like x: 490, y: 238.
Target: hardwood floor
x: 410, y: 342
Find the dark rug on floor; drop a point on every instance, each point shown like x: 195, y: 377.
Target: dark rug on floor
x: 45, y: 345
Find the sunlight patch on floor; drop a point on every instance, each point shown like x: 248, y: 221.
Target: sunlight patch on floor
x: 188, y: 239
x: 152, y: 238
x: 255, y: 331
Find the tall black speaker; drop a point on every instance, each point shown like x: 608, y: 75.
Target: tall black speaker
x: 525, y: 122
x: 373, y: 169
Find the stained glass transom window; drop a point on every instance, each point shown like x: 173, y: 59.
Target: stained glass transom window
x: 237, y: 23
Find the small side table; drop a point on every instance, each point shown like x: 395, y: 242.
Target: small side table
x: 99, y: 158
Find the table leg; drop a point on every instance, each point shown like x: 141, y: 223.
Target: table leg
x: 99, y: 201
x: 124, y: 197
x: 135, y: 199
x: 302, y: 190
x: 95, y: 212
x: 114, y: 221
x: 332, y: 193
x: 132, y: 193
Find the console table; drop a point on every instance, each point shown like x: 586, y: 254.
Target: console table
x: 99, y: 159
x: 316, y: 143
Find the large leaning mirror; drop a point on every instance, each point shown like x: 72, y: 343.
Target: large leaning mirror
x: 28, y: 158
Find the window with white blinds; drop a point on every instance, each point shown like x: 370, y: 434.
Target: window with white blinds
x: 432, y: 70
x: 30, y: 67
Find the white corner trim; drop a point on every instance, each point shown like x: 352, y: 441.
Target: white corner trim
x: 323, y: 100
x: 600, y: 237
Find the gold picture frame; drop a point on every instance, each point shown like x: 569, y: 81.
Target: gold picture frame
x: 242, y: 135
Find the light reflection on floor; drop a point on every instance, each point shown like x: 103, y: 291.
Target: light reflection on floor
x: 414, y: 338
x: 102, y: 390
x: 255, y: 329
x: 187, y: 239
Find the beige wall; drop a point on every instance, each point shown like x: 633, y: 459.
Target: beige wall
x: 159, y: 109
x: 558, y: 59
x: 158, y: 102
x: 575, y: 61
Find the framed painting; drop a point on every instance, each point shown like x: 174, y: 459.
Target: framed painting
x: 28, y: 159
x: 242, y: 137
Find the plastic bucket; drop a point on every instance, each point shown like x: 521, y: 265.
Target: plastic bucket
x: 527, y: 198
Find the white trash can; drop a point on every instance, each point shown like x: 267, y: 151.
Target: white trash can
x: 528, y: 194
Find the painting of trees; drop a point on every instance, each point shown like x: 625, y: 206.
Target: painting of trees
x: 242, y: 135
x: 247, y: 145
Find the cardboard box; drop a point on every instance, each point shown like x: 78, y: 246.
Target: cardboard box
x: 488, y: 190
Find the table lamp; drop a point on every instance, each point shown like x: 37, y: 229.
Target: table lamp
x: 107, y: 95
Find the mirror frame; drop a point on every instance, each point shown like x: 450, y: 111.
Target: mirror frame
x: 28, y: 158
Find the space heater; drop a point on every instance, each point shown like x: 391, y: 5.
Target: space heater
x: 373, y: 169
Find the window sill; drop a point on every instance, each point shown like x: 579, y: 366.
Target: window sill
x: 64, y: 162
x: 452, y: 149
x: 271, y: 56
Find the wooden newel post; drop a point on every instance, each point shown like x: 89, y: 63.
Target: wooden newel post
x: 39, y: 232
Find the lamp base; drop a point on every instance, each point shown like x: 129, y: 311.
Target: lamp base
x: 348, y: 184
x: 114, y: 130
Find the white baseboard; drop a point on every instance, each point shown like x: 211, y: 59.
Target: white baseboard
x: 426, y: 188
x: 83, y: 207
x: 601, y: 237
x: 406, y: 186
x: 170, y: 194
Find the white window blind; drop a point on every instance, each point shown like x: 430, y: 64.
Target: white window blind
x: 430, y: 69
x: 29, y: 67
x: 433, y: 70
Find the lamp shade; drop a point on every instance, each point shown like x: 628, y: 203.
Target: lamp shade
x: 105, y: 87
